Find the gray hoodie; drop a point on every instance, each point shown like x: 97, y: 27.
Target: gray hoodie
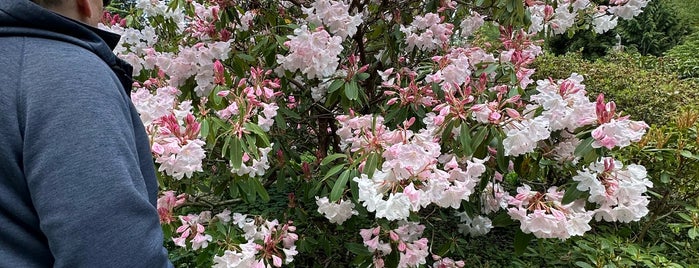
x: 77, y: 182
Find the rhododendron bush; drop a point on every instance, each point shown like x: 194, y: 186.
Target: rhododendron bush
x: 374, y: 121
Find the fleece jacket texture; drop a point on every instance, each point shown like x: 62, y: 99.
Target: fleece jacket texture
x: 77, y: 182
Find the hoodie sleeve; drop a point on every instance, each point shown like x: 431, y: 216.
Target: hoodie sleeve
x: 81, y: 162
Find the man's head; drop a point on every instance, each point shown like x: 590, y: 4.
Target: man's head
x: 86, y: 11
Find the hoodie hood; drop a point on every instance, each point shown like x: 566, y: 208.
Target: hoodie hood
x: 25, y: 18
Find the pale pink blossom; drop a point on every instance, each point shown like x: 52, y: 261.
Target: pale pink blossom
x: 315, y: 54
x: 335, y: 15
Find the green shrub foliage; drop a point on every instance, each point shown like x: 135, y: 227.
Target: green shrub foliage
x: 653, y: 32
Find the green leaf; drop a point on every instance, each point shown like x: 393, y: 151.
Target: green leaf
x: 245, y: 57
x: 335, y: 85
x: 502, y: 220
x: 371, y: 163
x: 480, y: 136
x: 503, y: 162
x: 340, y: 186
x: 225, y: 146
x: 583, y: 264
x: 572, y: 193
x: 357, y: 249
x: 254, y: 128
x: 334, y: 170
x: 689, y: 154
x: 685, y: 217
x: 521, y: 241
x: 354, y: 186
x: 328, y: 159
x: 352, y: 90
x: 289, y: 113
x: 236, y: 152
x: 584, y: 147
x: 665, y: 177
x: 447, y: 130
x: 204, y: 128
x: 465, y: 139
x: 362, y: 76
x: 693, y: 233
x: 260, y: 189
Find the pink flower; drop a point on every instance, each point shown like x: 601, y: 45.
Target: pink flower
x: 166, y: 203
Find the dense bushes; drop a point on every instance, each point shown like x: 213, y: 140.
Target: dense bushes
x: 683, y: 59
x: 638, y: 88
x: 653, y: 32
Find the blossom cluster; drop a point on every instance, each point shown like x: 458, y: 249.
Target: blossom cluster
x: 476, y: 226
x: 173, y: 129
x: 616, y: 188
x: 335, y: 212
x: 560, y: 19
x: 166, y: 203
x: 545, y: 216
x: 413, y: 249
x: 335, y: 16
x: 268, y: 244
x: 412, y: 175
x: 315, y: 53
x: 427, y: 32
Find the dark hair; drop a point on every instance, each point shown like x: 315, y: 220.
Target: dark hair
x: 48, y: 3
x: 53, y: 3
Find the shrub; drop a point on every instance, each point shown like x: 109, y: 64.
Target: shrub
x: 683, y: 58
x: 652, y: 32
x: 637, y: 84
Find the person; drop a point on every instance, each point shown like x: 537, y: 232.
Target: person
x: 77, y: 182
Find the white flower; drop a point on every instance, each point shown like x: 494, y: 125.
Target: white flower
x: 313, y: 53
x: 470, y: 24
x: 604, y: 23
x: 397, y: 207
x: 335, y: 15
x: 336, y: 213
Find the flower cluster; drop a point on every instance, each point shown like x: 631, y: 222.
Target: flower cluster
x: 413, y: 249
x: 166, y: 203
x: 476, y: 226
x: 427, y: 32
x: 616, y: 188
x: 172, y: 127
x: 335, y: 212
x: 335, y: 16
x: 615, y: 131
x: 412, y: 94
x: 543, y: 214
x: 410, y: 175
x: 315, y: 53
x: 203, y: 25
x: 254, y: 98
x: 268, y: 244
x: 471, y: 24
x: 178, y: 150
x: 560, y: 19
x: 192, y: 229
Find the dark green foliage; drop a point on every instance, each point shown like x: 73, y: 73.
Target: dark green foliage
x: 655, y: 30
x: 652, y: 32
x: 687, y: 10
x: 647, y: 94
x: 684, y: 58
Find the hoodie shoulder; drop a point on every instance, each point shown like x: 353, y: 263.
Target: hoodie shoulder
x: 58, y: 67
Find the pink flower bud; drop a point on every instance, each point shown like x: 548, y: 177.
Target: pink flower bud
x: 393, y: 236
